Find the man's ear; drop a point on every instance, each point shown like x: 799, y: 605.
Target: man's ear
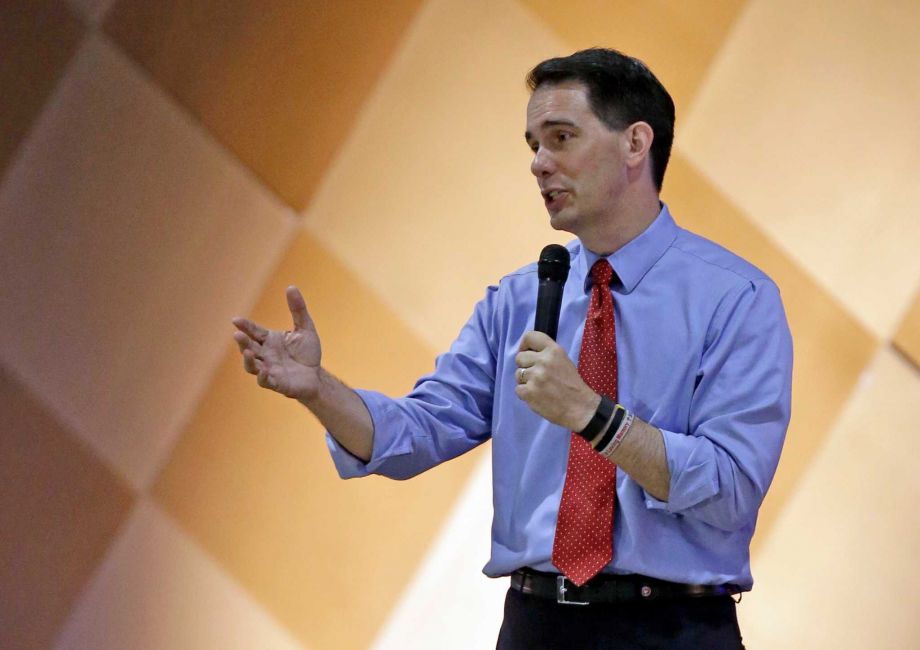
x: 639, y: 137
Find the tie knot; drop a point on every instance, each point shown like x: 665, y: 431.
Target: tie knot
x: 601, y: 273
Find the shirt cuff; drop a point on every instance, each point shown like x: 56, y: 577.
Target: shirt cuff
x: 386, y: 445
x: 691, y: 478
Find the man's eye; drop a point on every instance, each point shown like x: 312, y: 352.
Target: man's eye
x: 563, y: 136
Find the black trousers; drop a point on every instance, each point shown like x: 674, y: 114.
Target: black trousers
x: 535, y: 623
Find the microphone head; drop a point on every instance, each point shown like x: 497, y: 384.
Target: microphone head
x: 554, y: 263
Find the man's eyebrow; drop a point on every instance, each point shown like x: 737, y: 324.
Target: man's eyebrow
x: 549, y: 123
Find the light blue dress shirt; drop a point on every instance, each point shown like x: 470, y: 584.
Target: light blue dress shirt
x: 704, y: 354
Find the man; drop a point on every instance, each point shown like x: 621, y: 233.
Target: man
x: 668, y: 430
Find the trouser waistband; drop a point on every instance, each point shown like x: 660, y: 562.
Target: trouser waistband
x: 610, y: 588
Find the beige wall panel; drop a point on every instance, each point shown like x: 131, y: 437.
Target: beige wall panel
x: 831, y: 347
x: 908, y: 337
x: 129, y: 238
x: 432, y: 191
x: 37, y: 39
x: 92, y: 11
x: 157, y: 590
x: 59, y: 510
x: 853, y: 521
x: 807, y: 121
x: 252, y: 480
x: 676, y: 39
x: 278, y: 84
x: 471, y: 616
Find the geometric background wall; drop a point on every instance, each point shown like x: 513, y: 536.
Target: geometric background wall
x: 165, y: 166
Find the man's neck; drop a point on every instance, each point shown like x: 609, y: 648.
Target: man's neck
x: 628, y: 222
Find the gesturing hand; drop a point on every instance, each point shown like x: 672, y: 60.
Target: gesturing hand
x: 550, y: 384
x: 286, y: 362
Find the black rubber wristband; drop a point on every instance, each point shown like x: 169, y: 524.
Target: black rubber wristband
x: 600, y: 418
x: 612, y: 429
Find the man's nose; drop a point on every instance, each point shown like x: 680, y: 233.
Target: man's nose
x: 542, y: 163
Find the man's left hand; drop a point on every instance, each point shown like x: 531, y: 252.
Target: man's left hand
x: 550, y: 384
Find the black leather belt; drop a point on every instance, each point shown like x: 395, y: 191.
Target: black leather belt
x: 609, y: 588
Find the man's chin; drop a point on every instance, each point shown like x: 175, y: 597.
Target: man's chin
x: 561, y: 221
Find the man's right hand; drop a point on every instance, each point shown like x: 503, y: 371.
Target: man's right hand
x: 287, y: 362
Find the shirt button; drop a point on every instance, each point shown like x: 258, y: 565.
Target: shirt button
x: 646, y: 591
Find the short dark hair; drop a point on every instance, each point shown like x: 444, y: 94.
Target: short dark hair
x: 621, y: 91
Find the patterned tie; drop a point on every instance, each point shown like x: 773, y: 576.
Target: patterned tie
x: 584, y: 529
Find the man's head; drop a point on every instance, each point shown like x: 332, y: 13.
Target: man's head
x: 621, y: 91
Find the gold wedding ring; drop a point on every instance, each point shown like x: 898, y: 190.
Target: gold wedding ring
x: 521, y: 378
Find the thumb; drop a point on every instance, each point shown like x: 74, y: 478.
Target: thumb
x: 298, y: 307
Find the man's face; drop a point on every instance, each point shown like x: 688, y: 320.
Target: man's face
x: 578, y: 161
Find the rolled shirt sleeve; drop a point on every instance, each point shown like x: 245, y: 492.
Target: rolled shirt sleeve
x: 447, y: 413
x: 721, y: 468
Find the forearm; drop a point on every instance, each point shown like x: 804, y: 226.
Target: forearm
x: 641, y: 454
x: 343, y: 414
x: 551, y: 385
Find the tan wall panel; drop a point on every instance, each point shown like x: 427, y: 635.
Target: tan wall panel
x: 807, y: 121
x: 252, y: 480
x: 157, y: 590
x: 831, y: 347
x: 92, y: 11
x: 129, y: 238
x: 278, y: 84
x: 676, y: 39
x: 433, y: 190
x: 908, y: 337
x: 472, y: 615
x: 37, y: 38
x: 59, y: 510
x: 853, y: 520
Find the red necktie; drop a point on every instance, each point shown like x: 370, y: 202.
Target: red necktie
x: 584, y: 529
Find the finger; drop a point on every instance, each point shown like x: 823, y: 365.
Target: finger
x: 264, y: 379
x: 250, y: 364
x: 535, y: 375
x: 525, y: 359
x: 253, y: 330
x: 245, y: 343
x: 536, y: 341
x: 298, y: 307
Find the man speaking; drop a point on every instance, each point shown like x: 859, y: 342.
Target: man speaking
x: 635, y: 430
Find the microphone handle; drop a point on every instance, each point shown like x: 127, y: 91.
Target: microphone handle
x: 549, y: 302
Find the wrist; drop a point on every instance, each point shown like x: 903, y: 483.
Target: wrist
x: 587, y: 412
x: 316, y: 394
x: 598, y: 419
x: 608, y: 426
x: 620, y: 425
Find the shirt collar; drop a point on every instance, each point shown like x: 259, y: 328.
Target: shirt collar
x: 632, y: 261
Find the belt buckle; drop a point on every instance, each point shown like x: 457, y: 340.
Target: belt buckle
x: 561, y: 590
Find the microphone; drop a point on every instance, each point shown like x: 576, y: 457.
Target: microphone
x: 552, y: 269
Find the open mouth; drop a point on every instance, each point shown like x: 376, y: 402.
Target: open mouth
x: 554, y: 198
